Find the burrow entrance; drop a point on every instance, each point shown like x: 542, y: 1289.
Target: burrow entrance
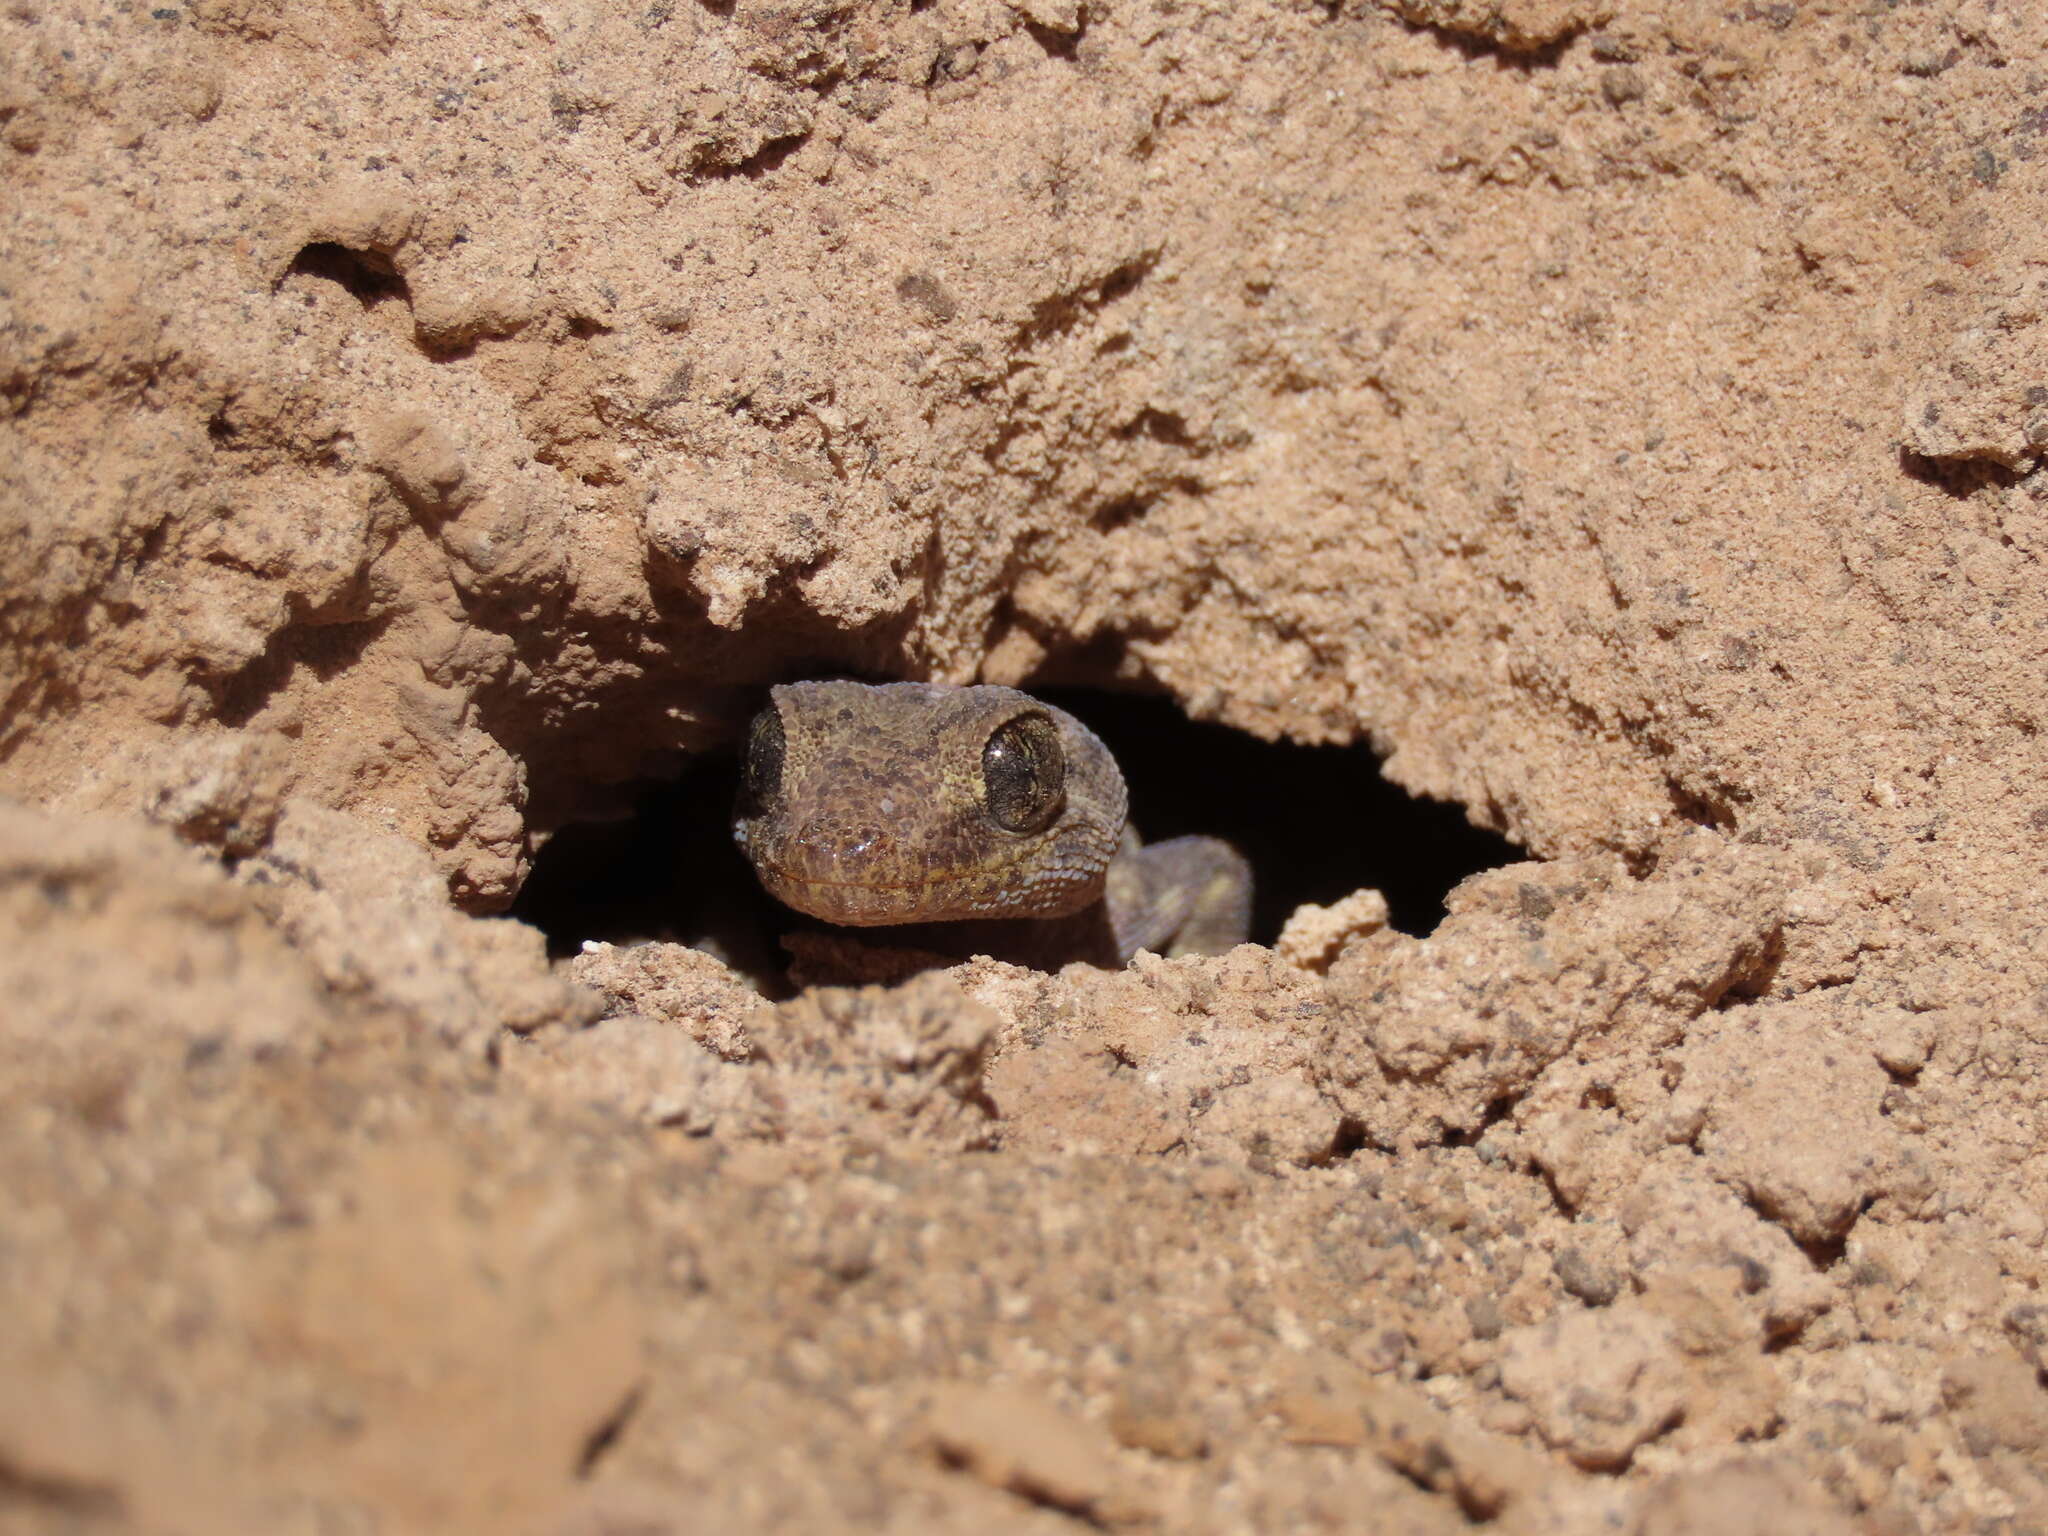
x: 1316, y: 822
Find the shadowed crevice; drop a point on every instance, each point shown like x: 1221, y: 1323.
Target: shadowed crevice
x: 1317, y: 823
x: 366, y: 276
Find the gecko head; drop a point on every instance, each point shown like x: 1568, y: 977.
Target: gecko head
x: 870, y: 804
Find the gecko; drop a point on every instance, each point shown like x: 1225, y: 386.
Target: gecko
x: 975, y: 818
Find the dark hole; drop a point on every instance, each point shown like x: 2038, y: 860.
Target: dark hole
x: 367, y: 275
x: 1057, y: 45
x: 1960, y: 478
x: 606, y: 1435
x: 665, y: 870
x: 1316, y: 822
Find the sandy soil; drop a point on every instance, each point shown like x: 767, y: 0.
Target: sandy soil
x: 421, y: 424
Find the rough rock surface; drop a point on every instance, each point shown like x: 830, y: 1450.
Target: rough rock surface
x: 421, y: 424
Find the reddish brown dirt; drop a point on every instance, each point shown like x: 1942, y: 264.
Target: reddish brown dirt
x: 421, y: 423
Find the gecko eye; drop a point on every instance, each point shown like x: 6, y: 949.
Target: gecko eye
x: 761, y: 779
x: 1024, y: 771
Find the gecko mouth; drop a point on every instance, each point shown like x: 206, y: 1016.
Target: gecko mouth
x: 987, y: 891
x: 785, y: 874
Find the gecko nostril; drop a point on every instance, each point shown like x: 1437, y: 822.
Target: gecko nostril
x: 834, y: 838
